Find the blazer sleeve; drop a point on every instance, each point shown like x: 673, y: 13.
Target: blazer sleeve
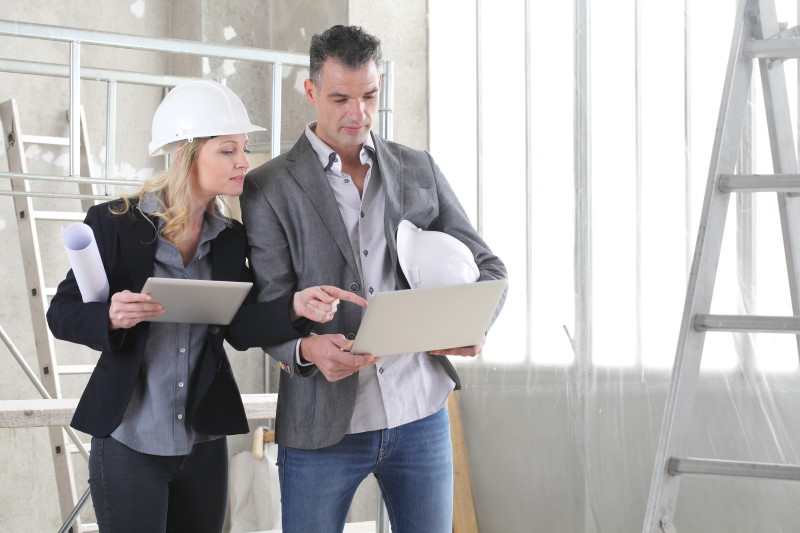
x: 270, y: 252
x: 69, y: 318
x: 258, y: 324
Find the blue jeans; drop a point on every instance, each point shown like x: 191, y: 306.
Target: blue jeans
x: 137, y: 492
x: 412, y: 463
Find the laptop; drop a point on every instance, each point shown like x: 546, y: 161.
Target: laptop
x: 419, y: 320
x: 196, y: 301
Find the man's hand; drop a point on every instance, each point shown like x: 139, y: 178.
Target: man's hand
x: 328, y: 353
x: 464, y: 351
x: 129, y: 308
x: 319, y: 304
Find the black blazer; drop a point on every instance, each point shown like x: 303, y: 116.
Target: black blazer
x: 127, y: 247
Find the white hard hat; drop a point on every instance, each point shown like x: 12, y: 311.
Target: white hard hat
x: 197, y: 108
x: 433, y: 258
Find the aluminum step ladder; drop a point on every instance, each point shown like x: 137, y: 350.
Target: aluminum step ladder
x: 757, y: 35
x: 49, y: 369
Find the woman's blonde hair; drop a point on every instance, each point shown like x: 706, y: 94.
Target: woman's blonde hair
x: 173, y: 191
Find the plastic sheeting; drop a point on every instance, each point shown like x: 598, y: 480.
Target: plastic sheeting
x: 254, y: 497
x: 603, y: 187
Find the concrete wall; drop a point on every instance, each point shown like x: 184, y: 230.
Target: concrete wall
x: 280, y: 24
x: 402, y: 28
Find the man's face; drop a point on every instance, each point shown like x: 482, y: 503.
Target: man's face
x: 346, y: 102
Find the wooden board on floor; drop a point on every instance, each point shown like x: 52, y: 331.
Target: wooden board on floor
x: 350, y: 527
x: 464, y: 520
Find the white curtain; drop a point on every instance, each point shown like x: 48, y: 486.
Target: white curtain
x: 563, y: 410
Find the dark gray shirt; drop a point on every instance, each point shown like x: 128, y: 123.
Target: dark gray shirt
x: 155, y: 419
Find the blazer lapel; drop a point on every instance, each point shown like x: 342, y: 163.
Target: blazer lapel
x: 390, y: 163
x: 223, y: 250
x: 303, y: 165
x: 137, y: 236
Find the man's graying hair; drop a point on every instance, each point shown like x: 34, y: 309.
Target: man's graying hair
x: 349, y: 45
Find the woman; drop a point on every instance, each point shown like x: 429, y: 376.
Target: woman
x: 162, y: 396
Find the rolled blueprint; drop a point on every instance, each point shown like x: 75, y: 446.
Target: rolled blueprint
x: 84, y: 258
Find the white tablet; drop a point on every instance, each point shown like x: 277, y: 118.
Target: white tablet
x: 419, y: 320
x: 197, y: 301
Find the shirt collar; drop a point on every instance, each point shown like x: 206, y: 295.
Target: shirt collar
x: 328, y: 158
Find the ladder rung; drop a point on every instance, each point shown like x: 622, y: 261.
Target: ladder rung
x: 759, y: 183
x: 50, y: 291
x: 75, y: 369
x: 772, y: 48
x: 717, y: 467
x: 90, y: 527
x: 748, y: 324
x: 59, y: 215
x: 43, y: 139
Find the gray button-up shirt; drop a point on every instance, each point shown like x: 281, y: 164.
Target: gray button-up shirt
x: 155, y: 419
x: 399, y: 389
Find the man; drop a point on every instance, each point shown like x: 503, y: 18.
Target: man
x: 327, y: 212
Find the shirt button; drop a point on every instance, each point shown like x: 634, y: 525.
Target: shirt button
x: 380, y: 370
x: 354, y: 287
x: 366, y: 253
x: 182, y: 350
x: 180, y: 416
x: 180, y: 384
x: 351, y: 336
x: 371, y: 290
x: 362, y: 214
x: 347, y: 180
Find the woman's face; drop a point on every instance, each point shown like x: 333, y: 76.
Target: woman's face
x: 220, y: 167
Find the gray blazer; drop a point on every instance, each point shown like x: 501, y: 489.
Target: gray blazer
x: 298, y: 240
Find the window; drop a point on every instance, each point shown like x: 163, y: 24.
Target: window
x: 655, y: 81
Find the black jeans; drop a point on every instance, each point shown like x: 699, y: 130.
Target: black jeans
x: 137, y: 492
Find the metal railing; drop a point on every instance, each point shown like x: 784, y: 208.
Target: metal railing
x: 75, y: 72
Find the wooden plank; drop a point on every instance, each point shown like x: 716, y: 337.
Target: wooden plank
x: 464, y: 520
x: 36, y: 413
x: 58, y: 412
x: 260, y: 405
x: 350, y: 527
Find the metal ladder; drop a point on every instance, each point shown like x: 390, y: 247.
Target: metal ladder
x: 757, y: 35
x: 49, y: 369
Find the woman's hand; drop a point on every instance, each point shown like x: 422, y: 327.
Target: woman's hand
x: 129, y: 308
x: 319, y: 304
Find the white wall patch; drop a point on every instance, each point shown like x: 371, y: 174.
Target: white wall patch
x: 32, y: 151
x: 137, y: 8
x: 228, y: 67
x: 229, y: 33
x: 62, y: 161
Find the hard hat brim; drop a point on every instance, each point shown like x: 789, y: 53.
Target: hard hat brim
x: 168, y: 146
